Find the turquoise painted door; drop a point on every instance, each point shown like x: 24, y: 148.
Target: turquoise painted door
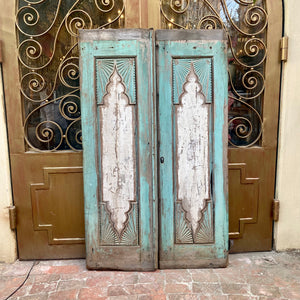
x: 119, y: 140
x: 118, y: 157
x: 192, y: 135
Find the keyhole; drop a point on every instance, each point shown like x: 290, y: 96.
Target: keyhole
x: 162, y: 160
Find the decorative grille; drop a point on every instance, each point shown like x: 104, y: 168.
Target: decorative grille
x: 245, y: 23
x: 48, y: 56
x: 48, y: 60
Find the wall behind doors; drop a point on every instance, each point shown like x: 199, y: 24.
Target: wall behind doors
x: 8, y: 249
x: 286, y: 233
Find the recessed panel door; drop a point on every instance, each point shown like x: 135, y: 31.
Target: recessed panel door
x: 192, y: 134
x: 117, y: 122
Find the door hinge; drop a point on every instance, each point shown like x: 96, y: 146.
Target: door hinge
x: 12, y: 217
x: 276, y: 210
x: 284, y: 48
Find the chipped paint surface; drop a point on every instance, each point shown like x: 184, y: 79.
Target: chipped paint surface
x: 118, y: 151
x: 171, y: 255
x: 192, y: 149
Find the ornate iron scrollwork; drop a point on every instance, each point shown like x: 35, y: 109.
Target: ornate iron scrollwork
x: 245, y: 24
x: 48, y: 61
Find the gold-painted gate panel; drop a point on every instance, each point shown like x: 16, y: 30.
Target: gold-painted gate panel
x: 43, y: 112
x: 43, y: 106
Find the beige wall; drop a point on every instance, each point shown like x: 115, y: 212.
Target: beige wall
x: 8, y: 252
x: 287, y: 230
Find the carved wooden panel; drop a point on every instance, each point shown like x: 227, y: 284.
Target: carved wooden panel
x: 119, y: 219
x: 109, y: 236
x: 204, y: 233
x: 192, y: 124
x: 192, y: 133
x: 57, y: 205
x: 118, y: 126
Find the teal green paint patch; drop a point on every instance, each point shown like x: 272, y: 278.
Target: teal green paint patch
x: 126, y: 68
x: 203, y: 67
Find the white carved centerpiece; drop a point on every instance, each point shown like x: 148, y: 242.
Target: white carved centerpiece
x: 118, y: 151
x: 192, y: 134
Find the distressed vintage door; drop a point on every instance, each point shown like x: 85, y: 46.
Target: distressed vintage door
x: 119, y: 148
x: 118, y: 157
x: 192, y: 114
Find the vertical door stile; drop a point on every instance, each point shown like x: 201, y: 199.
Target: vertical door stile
x: 155, y: 148
x: 192, y: 133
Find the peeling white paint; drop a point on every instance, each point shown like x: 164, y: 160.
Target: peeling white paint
x: 118, y: 151
x: 193, y: 149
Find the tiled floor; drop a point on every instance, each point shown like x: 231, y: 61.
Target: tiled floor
x: 267, y: 275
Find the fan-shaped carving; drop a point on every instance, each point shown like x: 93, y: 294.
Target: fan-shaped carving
x: 129, y: 236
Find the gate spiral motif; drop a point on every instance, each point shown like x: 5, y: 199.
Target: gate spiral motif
x: 245, y: 23
x: 48, y: 61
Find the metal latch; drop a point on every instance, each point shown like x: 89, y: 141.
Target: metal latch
x: 284, y: 46
x: 12, y: 217
x: 276, y: 210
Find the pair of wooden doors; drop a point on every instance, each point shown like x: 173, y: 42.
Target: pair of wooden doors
x: 127, y: 225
